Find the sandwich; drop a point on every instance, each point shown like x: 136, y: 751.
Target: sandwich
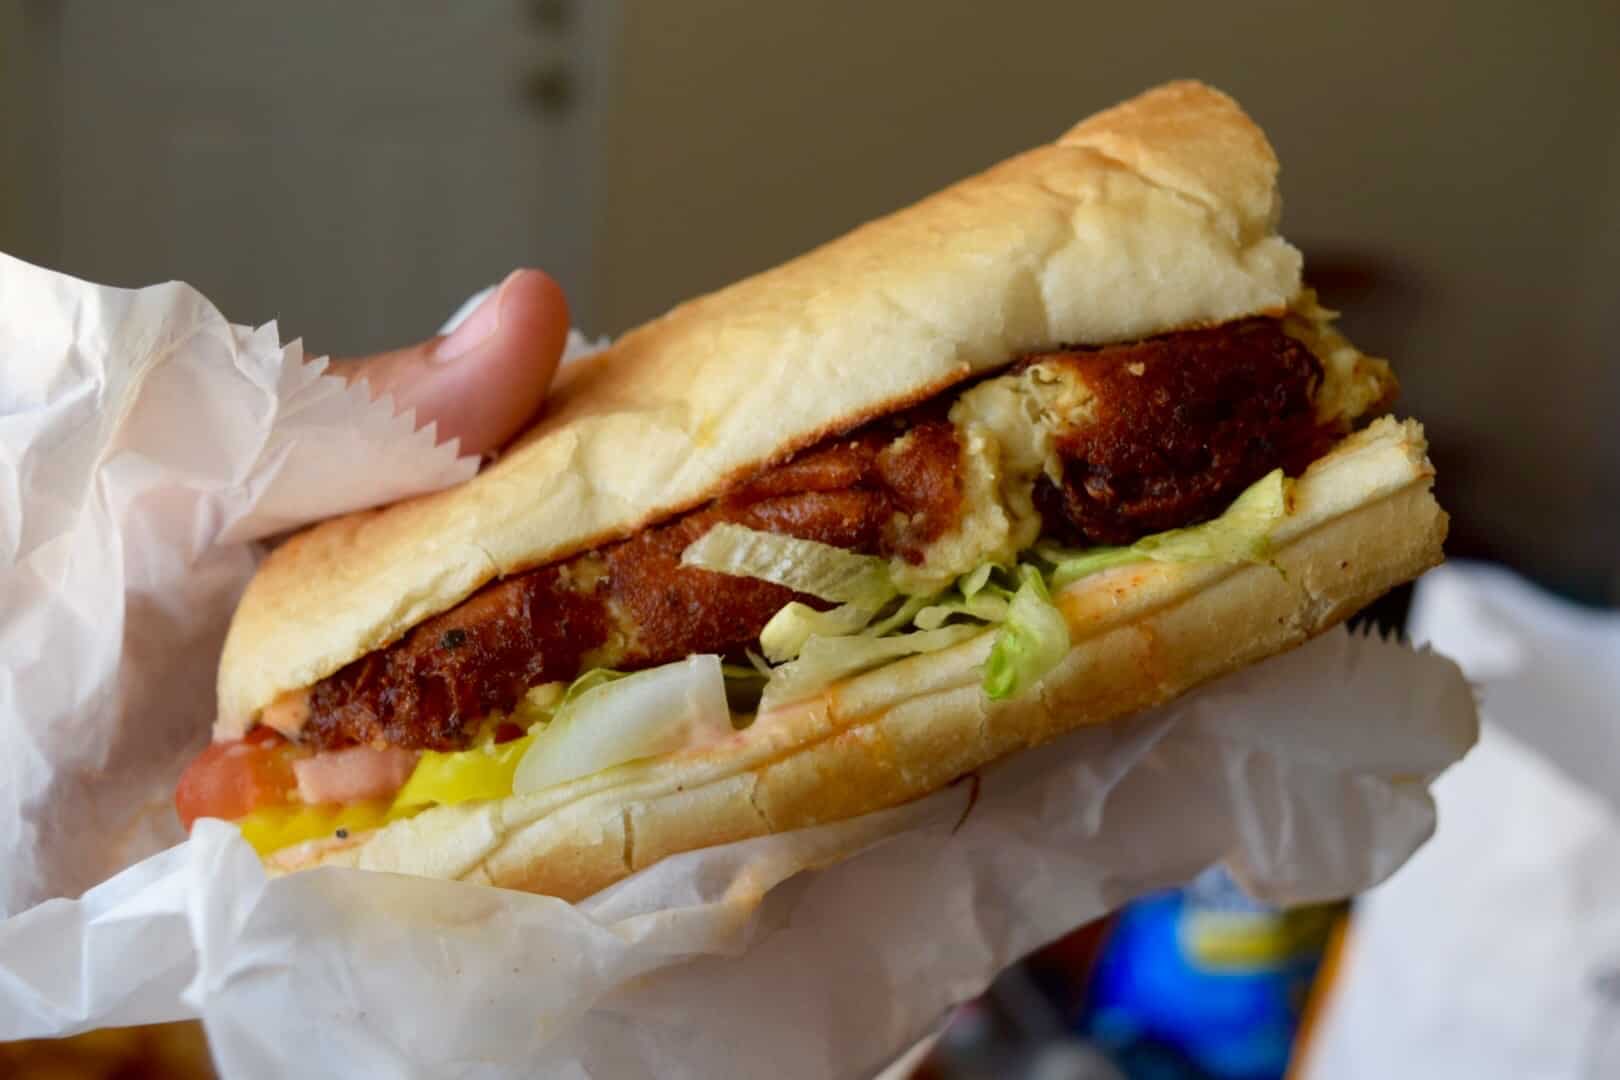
x: 1043, y: 450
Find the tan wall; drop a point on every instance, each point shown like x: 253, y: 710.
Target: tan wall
x: 1453, y: 171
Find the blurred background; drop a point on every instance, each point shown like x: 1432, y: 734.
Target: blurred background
x: 1452, y: 171
x: 356, y: 170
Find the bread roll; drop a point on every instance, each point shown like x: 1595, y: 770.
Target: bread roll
x: 1363, y: 519
x: 1156, y: 215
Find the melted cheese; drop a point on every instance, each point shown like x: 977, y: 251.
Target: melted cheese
x: 1353, y: 383
x: 1006, y: 427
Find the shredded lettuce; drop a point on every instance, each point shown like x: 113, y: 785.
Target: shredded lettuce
x: 796, y: 623
x: 901, y: 617
x: 805, y: 566
x: 1238, y: 535
x: 825, y: 660
x: 825, y: 655
x: 982, y: 604
x: 978, y: 579
x: 1074, y: 565
x: 1032, y: 639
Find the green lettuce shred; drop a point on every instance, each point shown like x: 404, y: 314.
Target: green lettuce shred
x: 1032, y: 639
x: 797, y: 623
x: 805, y: 649
x: 984, y: 605
x: 902, y: 616
x: 825, y: 660
x: 1239, y: 535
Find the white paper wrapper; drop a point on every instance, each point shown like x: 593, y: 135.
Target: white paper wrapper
x: 1495, y: 953
x: 1307, y: 774
x: 144, y: 441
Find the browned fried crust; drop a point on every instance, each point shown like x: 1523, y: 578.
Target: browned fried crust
x: 887, y: 489
x: 1183, y: 422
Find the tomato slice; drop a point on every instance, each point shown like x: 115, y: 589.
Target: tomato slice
x: 230, y: 780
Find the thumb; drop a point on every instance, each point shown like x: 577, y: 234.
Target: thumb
x: 486, y: 379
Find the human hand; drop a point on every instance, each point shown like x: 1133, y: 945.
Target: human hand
x: 483, y: 381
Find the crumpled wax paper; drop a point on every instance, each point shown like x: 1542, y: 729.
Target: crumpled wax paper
x: 146, y: 441
x: 1495, y: 953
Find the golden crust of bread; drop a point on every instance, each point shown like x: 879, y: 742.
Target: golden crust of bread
x: 1363, y: 520
x: 1155, y: 215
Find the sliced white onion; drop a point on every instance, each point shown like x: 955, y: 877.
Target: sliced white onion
x: 659, y: 711
x: 805, y: 566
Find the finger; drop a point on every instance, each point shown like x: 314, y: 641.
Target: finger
x: 485, y: 380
